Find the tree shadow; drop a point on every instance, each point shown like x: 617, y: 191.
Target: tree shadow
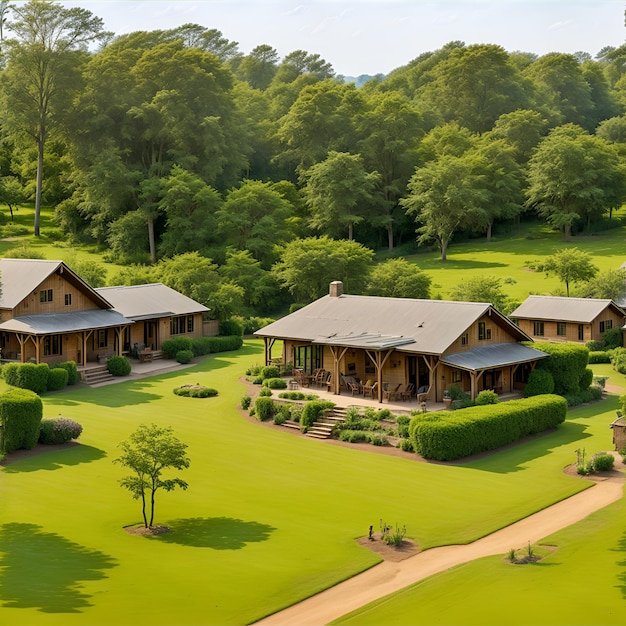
x: 43, y: 570
x: 516, y: 456
x: 621, y: 547
x: 219, y: 533
x: 43, y: 458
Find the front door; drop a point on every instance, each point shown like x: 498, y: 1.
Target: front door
x: 150, y: 334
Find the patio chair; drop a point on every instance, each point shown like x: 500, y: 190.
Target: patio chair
x: 409, y: 390
x: 353, y: 385
x: 390, y: 391
x: 371, y: 389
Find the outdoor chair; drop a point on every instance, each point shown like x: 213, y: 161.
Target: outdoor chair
x: 371, y: 389
x: 409, y: 390
x: 389, y: 391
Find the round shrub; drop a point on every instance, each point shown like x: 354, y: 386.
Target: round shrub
x: 275, y: 383
x: 21, y: 411
x: 72, y: 371
x: 280, y: 419
x: 9, y: 372
x: 173, y: 345
x: 195, y: 391
x: 184, y: 356
x: 264, y: 408
x: 602, y: 462
x: 57, y: 378
x: 265, y: 392
x: 118, y: 366
x: 599, y: 357
x: 406, y: 445
x: 55, y: 430
x: 539, y: 382
x: 487, y: 396
x: 270, y: 371
x: 230, y: 328
x: 245, y: 402
x: 586, y: 379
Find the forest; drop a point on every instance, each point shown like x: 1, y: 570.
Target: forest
x: 249, y: 182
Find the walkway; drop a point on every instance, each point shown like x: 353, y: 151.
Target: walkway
x: 389, y: 577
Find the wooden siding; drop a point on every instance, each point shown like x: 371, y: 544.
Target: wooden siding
x: 498, y: 335
x: 32, y: 305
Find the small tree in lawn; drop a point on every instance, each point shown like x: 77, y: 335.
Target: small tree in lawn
x: 147, y: 452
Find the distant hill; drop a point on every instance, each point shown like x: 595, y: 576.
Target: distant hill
x: 362, y: 79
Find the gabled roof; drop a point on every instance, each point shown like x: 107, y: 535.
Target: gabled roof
x: 150, y: 301
x: 20, y: 277
x: 554, y: 308
x: 409, y: 325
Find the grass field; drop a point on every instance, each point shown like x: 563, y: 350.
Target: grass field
x: 268, y: 519
x: 582, y: 582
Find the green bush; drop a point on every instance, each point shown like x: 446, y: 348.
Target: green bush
x: 258, y: 380
x: 201, y: 346
x: 595, y: 345
x: 295, y: 410
x: 118, y: 366
x: 175, y: 344
x: 33, y: 376
x: 613, y: 338
x: 9, y: 372
x: 195, y: 391
x: 254, y: 370
x: 264, y: 409
x: 406, y: 445
x: 21, y: 411
x: 280, y: 418
x: 265, y: 392
x: 231, y: 327
x: 57, y: 378
x: 589, y: 395
x: 224, y: 344
x: 245, y: 402
x: 353, y: 436
x: 297, y: 395
x: 602, y: 462
x: 270, y: 371
x: 566, y: 363
x: 72, y: 371
x: 275, y: 383
x: 376, y: 439
x: 56, y: 430
x: 487, y: 396
x: 586, y: 378
x: 618, y: 358
x: 599, y: 357
x: 184, y: 356
x: 312, y: 412
x: 252, y: 324
x: 539, y: 382
x: 446, y: 436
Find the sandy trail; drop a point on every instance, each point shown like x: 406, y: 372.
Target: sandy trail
x: 389, y: 577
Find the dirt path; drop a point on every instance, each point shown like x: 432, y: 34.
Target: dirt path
x: 389, y: 577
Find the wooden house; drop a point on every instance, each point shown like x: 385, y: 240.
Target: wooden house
x: 48, y: 313
x: 552, y: 318
x: 431, y: 344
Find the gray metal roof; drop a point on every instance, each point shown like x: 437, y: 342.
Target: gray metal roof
x: 365, y: 341
x: 55, y: 323
x: 431, y: 325
x: 554, y: 308
x: 150, y: 301
x: 493, y: 355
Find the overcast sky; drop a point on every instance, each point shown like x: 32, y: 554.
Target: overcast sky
x: 372, y: 36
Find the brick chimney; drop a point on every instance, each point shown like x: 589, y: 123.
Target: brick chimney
x: 336, y: 289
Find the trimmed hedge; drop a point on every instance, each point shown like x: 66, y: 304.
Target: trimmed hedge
x: 72, y: 371
x: 446, y: 436
x: 225, y: 344
x: 33, y: 376
x: 275, y: 383
x: 184, y: 356
x: 599, y: 357
x: 539, y: 382
x: 21, y: 411
x: 55, y: 430
x: 567, y: 363
x: 201, y: 346
x: 195, y: 391
x: 264, y: 409
x: 57, y: 378
x: 175, y: 344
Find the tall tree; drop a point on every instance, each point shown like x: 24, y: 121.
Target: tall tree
x: 574, y: 178
x: 444, y: 196
x: 259, y: 67
x: 570, y: 265
x: 46, y: 45
x: 397, y: 278
x: 338, y: 191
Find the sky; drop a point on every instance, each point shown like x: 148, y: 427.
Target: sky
x: 377, y: 36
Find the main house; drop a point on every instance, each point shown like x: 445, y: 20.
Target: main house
x: 432, y: 344
x: 552, y: 318
x: 49, y: 313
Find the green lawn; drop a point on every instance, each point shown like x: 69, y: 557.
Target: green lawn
x: 583, y: 582
x: 268, y: 519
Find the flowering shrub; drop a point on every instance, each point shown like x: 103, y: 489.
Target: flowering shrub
x: 56, y: 430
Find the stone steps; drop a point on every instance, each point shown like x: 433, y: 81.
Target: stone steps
x: 97, y: 375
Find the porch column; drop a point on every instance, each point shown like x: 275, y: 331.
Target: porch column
x: 379, y: 361
x: 337, y: 356
x: 86, y: 336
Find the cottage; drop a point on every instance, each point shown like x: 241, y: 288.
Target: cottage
x: 49, y: 313
x: 552, y: 318
x: 430, y: 344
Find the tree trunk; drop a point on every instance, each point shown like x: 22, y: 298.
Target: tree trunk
x: 567, y: 229
x: 350, y: 231
x: 489, y: 232
x: 143, y: 509
x: 152, y: 508
x: 39, y: 185
x: 151, y: 239
x: 444, y: 250
x: 390, y: 235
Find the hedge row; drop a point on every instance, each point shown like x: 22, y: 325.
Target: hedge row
x: 20, y: 415
x: 446, y: 436
x: 201, y: 345
x: 566, y: 364
x: 40, y: 377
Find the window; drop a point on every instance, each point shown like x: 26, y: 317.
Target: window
x: 457, y: 376
x: 465, y: 339
x: 52, y: 345
x: 581, y: 332
x: 538, y: 329
x: 561, y: 329
x: 68, y: 299
x: 45, y: 295
x: 103, y: 338
x: 181, y: 325
x: 483, y: 332
x: 607, y: 325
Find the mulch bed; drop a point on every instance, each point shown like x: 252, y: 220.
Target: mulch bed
x: 142, y: 530
x: 389, y: 553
